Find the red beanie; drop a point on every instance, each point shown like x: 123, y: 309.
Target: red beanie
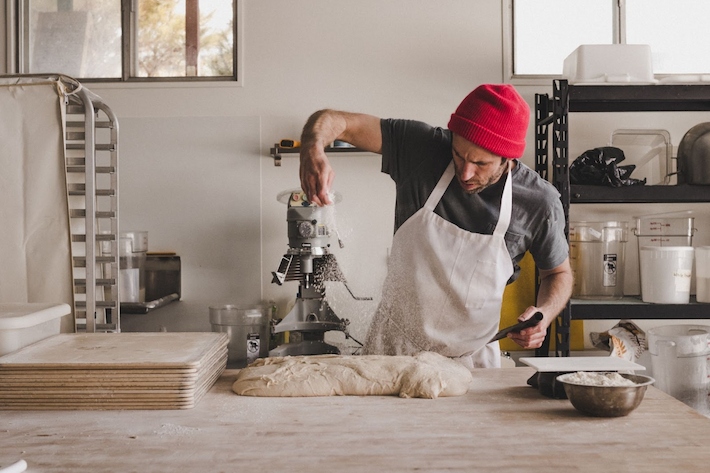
x: 495, y: 117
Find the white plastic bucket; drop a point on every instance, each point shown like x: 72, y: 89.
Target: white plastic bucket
x: 702, y: 273
x: 666, y: 272
x: 679, y: 356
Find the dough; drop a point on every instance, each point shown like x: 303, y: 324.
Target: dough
x: 427, y: 375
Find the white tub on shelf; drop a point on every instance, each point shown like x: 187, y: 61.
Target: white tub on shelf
x: 23, y: 324
x: 666, y: 273
x: 609, y: 64
x: 702, y: 273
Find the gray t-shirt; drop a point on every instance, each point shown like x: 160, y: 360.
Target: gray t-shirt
x: 415, y: 156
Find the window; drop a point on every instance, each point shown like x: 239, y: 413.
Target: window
x: 676, y: 30
x: 540, y: 34
x: 128, y: 40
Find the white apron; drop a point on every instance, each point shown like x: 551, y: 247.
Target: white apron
x: 444, y: 286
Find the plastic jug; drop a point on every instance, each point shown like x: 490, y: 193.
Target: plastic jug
x: 679, y: 358
x: 132, y: 255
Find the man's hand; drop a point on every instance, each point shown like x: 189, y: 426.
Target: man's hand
x: 532, y: 337
x: 322, y: 128
x: 316, y: 175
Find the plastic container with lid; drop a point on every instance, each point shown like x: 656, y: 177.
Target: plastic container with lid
x: 597, y: 258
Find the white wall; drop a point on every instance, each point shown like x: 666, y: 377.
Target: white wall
x: 398, y: 58
x: 395, y: 58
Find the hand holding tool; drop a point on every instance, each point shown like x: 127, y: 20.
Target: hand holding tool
x: 531, y: 322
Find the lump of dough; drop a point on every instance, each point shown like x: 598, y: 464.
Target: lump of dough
x: 425, y: 375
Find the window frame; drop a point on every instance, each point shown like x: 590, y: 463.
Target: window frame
x: 17, y: 37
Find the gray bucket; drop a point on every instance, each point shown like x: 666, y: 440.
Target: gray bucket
x: 248, y: 330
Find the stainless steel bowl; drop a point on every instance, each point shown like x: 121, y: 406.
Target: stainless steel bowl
x: 606, y: 401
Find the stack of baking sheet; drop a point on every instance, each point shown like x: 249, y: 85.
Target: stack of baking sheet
x: 113, y: 371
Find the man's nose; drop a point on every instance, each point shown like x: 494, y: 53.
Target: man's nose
x: 468, y: 171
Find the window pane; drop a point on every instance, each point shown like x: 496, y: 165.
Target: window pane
x: 80, y: 38
x: 184, y: 38
x: 545, y: 32
x: 677, y: 32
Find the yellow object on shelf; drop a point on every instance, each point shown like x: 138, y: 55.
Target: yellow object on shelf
x: 518, y: 296
x: 289, y: 143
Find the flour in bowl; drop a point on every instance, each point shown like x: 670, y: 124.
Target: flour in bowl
x: 598, y: 379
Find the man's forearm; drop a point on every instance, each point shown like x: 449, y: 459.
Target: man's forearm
x: 554, y: 292
x: 322, y: 128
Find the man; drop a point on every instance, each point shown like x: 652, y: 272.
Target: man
x: 456, y: 244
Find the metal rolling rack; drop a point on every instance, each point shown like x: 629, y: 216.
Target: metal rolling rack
x: 92, y: 184
x: 553, y: 111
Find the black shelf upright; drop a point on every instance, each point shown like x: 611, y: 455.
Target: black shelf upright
x: 553, y: 111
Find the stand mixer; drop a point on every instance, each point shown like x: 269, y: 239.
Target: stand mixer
x: 309, y: 262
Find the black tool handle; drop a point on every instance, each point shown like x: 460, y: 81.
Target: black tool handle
x: 531, y: 322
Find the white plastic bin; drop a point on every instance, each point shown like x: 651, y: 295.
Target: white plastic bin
x: 666, y: 273
x: 23, y: 324
x: 597, y: 259
x: 609, y: 63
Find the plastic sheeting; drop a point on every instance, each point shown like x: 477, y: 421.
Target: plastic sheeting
x: 35, y: 240
x: 600, y: 167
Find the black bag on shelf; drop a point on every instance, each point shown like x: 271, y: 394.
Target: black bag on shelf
x: 599, y: 167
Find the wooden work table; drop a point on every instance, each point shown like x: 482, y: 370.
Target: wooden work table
x: 500, y: 425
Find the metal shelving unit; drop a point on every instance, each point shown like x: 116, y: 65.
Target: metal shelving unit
x: 551, y: 117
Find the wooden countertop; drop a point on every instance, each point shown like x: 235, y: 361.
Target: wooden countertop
x: 500, y: 425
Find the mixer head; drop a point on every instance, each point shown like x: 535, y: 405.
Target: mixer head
x: 309, y: 231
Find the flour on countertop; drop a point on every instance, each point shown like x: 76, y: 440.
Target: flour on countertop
x: 598, y: 379
x: 172, y: 429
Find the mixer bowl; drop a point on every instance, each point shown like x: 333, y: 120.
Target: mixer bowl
x: 606, y: 401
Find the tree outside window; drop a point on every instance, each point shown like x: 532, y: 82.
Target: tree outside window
x: 158, y: 39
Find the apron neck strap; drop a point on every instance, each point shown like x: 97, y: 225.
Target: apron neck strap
x: 440, y: 188
x: 506, y: 203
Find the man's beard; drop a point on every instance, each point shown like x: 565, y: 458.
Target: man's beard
x: 491, y: 180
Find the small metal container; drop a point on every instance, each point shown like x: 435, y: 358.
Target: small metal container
x: 162, y: 276
x: 606, y: 401
x: 249, y: 332
x: 694, y: 156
